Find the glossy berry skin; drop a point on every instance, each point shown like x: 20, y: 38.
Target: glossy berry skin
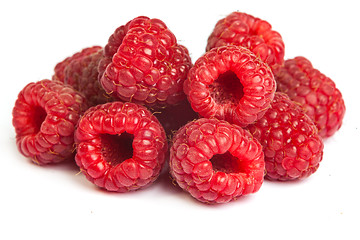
x: 60, y: 67
x: 314, y: 91
x: 120, y: 146
x: 230, y: 83
x: 148, y: 67
x: 44, y: 117
x: 291, y: 143
x: 82, y: 74
x: 244, y: 30
x: 215, y: 161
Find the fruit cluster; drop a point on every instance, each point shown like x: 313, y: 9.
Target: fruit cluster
x: 240, y: 114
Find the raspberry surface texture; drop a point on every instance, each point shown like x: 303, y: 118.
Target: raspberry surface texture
x: 60, y: 67
x: 230, y: 83
x: 44, y: 117
x: 120, y: 146
x: 291, y: 143
x: 215, y: 161
x: 317, y: 93
x: 244, y: 30
x: 83, y: 73
x: 147, y: 66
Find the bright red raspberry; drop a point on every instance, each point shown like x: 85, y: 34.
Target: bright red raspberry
x: 60, y: 67
x: 215, y: 161
x: 313, y: 90
x: 291, y: 143
x: 44, y: 117
x: 120, y: 146
x: 82, y: 74
x: 244, y: 30
x: 148, y: 67
x: 232, y: 84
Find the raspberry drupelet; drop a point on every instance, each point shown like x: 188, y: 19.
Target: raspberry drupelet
x: 144, y: 64
x: 230, y: 83
x: 216, y: 161
x: 291, y: 143
x: 83, y: 75
x: 317, y: 93
x: 244, y: 30
x: 59, y: 70
x: 44, y: 117
x: 120, y: 146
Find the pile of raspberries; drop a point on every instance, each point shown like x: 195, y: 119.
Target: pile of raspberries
x: 138, y: 106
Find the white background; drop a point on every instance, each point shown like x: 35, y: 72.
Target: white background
x: 55, y: 202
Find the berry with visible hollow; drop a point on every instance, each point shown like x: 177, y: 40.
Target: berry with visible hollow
x: 230, y: 83
x: 216, y: 161
x: 44, y: 117
x: 120, y: 146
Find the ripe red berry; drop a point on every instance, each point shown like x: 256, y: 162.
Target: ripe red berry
x: 44, y: 117
x: 60, y: 67
x: 148, y: 67
x: 291, y: 143
x: 232, y: 84
x: 215, y: 161
x: 120, y: 146
x: 83, y: 75
x: 314, y: 91
x: 244, y: 30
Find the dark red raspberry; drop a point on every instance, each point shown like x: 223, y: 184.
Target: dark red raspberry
x: 175, y: 116
x: 291, y: 143
x: 232, y: 84
x: 44, y: 117
x: 120, y: 146
x: 83, y: 73
x: 215, y: 161
x: 60, y: 67
x: 148, y: 67
x: 313, y: 90
x: 244, y: 30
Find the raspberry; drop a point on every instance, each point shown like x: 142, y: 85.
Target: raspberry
x: 175, y: 116
x: 83, y: 73
x: 149, y: 67
x: 244, y: 30
x: 316, y: 92
x: 291, y: 143
x: 120, y: 146
x: 44, y: 117
x: 215, y: 161
x: 230, y: 83
x: 60, y: 67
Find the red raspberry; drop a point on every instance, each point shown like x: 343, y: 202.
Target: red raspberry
x: 232, y: 84
x: 44, y: 117
x: 215, y: 161
x: 60, y: 67
x: 291, y: 143
x: 83, y: 73
x: 244, y: 30
x: 120, y: 146
x: 149, y: 67
x: 316, y: 92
